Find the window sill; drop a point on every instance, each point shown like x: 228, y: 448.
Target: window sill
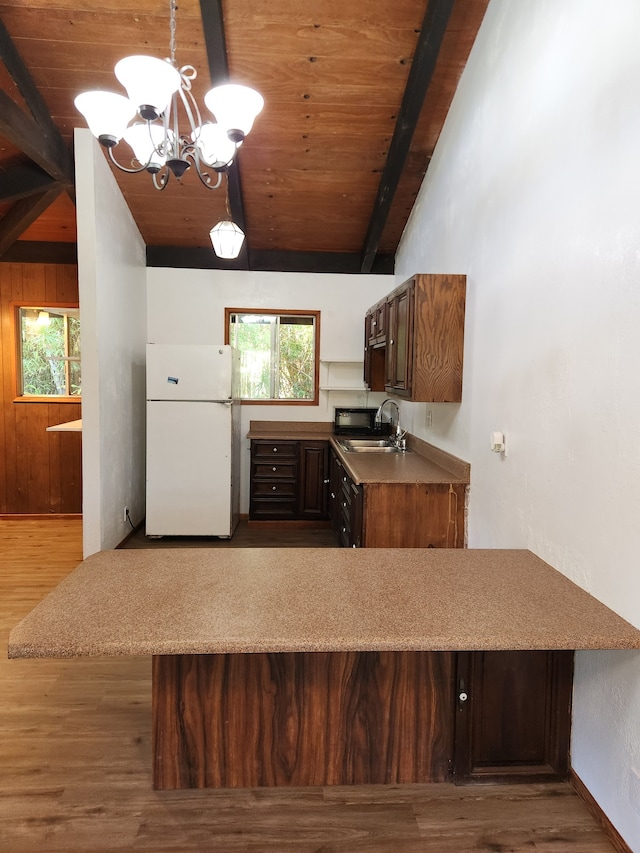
x: 34, y: 399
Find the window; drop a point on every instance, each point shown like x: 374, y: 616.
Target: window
x: 49, y: 351
x: 278, y: 354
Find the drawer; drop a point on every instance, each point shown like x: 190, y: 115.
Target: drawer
x: 274, y: 469
x: 273, y: 489
x: 273, y: 509
x: 274, y: 449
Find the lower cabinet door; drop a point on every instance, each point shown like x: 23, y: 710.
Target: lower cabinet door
x: 513, y: 716
x: 313, y: 480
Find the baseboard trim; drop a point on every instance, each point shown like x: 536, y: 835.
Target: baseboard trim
x: 608, y: 828
x: 39, y: 516
x: 299, y: 524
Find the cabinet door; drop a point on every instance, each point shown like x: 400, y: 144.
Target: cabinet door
x: 381, y: 322
x: 400, y: 341
x: 313, y: 483
x: 513, y: 716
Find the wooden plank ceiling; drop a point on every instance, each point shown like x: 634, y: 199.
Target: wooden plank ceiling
x: 355, y: 98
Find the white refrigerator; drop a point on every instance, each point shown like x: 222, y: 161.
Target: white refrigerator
x: 193, y: 440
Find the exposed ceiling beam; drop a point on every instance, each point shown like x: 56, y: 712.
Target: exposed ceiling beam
x: 424, y: 62
x: 40, y: 252
x: 213, y: 28
x: 180, y: 257
x: 23, y: 213
x: 35, y: 135
x: 23, y: 181
x: 27, y: 135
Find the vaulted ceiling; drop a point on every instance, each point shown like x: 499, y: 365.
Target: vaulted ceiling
x: 355, y: 98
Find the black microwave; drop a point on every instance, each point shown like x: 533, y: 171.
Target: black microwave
x: 355, y: 421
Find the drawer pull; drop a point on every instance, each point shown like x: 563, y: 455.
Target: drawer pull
x: 275, y: 449
x: 274, y: 468
x: 273, y: 488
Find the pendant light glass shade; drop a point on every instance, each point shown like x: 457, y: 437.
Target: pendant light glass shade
x: 227, y: 239
x: 215, y: 146
x: 149, y: 82
x: 147, y: 141
x: 235, y: 108
x: 106, y: 113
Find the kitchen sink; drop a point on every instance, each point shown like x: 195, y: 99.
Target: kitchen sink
x: 368, y: 445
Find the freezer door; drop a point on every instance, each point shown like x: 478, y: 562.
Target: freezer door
x: 189, y: 462
x: 189, y: 372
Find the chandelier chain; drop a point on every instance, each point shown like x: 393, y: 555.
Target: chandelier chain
x: 173, y: 5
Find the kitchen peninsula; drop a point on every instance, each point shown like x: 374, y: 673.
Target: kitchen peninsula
x: 313, y: 666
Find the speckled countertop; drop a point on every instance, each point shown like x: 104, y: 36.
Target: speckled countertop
x: 200, y: 601
x: 424, y: 464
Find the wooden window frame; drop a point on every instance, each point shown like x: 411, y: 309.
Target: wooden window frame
x: 287, y: 312
x: 15, y: 307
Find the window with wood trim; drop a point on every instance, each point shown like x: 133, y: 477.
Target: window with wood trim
x: 48, y: 352
x: 279, y: 354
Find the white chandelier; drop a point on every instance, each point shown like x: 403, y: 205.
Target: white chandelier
x: 159, y: 147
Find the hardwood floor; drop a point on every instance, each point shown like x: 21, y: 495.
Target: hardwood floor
x: 75, y: 764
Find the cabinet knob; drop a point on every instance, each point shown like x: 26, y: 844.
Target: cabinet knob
x: 392, y: 341
x: 274, y: 468
x: 326, y: 481
x: 462, y: 697
x: 275, y: 449
x: 344, y: 479
x: 333, y: 495
x: 273, y: 488
x: 344, y: 503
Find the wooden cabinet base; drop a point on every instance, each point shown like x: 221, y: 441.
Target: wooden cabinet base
x: 334, y: 718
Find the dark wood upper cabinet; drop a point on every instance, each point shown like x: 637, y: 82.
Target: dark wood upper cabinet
x: 418, y: 355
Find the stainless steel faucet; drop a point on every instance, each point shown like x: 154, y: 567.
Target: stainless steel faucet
x: 399, y: 436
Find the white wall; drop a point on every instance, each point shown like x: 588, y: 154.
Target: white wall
x: 112, y: 280
x: 534, y: 193
x: 187, y: 306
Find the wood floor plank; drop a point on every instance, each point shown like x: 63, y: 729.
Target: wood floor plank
x: 76, y: 758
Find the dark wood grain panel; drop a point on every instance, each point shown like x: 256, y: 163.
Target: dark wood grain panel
x: 41, y: 472
x: 302, y: 719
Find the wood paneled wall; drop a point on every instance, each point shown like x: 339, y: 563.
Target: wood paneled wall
x: 40, y: 472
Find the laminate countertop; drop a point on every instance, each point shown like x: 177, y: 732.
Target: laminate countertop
x: 204, y: 601
x: 424, y: 463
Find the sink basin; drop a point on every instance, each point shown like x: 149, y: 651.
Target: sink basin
x: 368, y: 445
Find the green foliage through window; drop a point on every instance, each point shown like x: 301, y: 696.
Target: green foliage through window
x: 50, y: 352
x: 278, y: 355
